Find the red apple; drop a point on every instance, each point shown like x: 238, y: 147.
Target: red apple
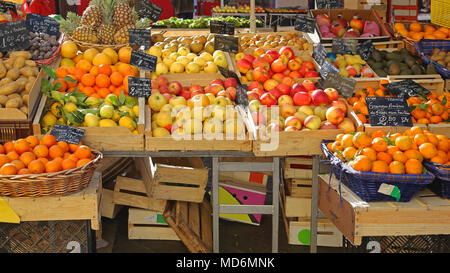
x: 162, y: 81
x: 258, y: 52
x: 278, y: 77
x: 270, y: 84
x: 340, y: 103
x: 154, y: 90
x: 335, y: 115
x: 287, y: 110
x: 298, y: 59
x: 268, y: 58
x: 261, y: 62
x: 275, y: 55
x: 260, y: 74
x: 253, y: 95
x: 347, y: 125
x: 155, y: 84
x: 302, y: 98
x: 303, y: 70
x: 230, y: 82
x: 214, y: 88
x: 309, y: 65
x: 255, y: 85
x: 197, y: 92
x: 293, y: 121
x: 319, y: 97
x: 284, y: 59
x: 243, y: 65
x: 216, y: 81
x: 296, y: 74
x: 287, y: 51
x: 175, y: 88
x: 276, y: 93
x: 290, y: 128
x: 284, y: 89
x: 312, y: 122
x: 309, y: 85
x: 168, y: 96
x: 249, y: 58
x: 285, y: 99
x: 294, y: 65
x: 268, y: 100
x: 223, y: 93
x: 288, y: 81
x: 332, y: 94
x: 327, y: 125
x: 195, y: 87
x: 232, y: 92
x: 186, y: 95
x: 311, y: 74
x: 163, y: 89
x: 278, y: 66
x: 259, y: 91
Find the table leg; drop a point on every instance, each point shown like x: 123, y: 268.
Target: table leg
x: 215, y: 200
x: 314, y: 203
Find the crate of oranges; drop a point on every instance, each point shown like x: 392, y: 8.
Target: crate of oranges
x: 34, y: 167
x: 371, y: 163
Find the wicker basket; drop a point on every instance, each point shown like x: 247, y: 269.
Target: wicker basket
x: 47, y: 184
x: 84, y: 46
x: 409, y: 43
x: 441, y: 183
x: 440, y: 12
x: 50, y: 60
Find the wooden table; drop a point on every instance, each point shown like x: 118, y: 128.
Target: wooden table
x: 425, y: 214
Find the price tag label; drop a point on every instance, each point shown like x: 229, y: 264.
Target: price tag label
x: 226, y: 43
x: 143, y: 60
x: 147, y: 9
x: 68, y: 134
x: 406, y: 89
x: 229, y: 74
x: 241, y: 95
x: 390, y: 190
x: 365, y: 49
x: 388, y: 111
x: 345, y: 86
x: 139, y: 87
x: 320, y: 54
x: 326, y: 68
x: 328, y: 4
x: 344, y: 46
x: 140, y: 37
x: 14, y: 36
x: 305, y: 23
x: 38, y: 23
x: 221, y: 27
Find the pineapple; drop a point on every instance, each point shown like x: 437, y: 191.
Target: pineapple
x: 70, y: 24
x: 122, y: 36
x: 92, y: 16
x: 123, y: 15
x: 85, y: 34
x: 107, y: 29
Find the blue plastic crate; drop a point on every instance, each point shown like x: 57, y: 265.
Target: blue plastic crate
x: 441, y: 183
x: 425, y: 47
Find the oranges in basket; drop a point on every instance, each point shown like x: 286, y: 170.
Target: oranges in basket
x: 391, y: 153
x: 31, y: 155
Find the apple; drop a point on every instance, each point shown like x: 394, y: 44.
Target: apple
x: 249, y: 58
x: 309, y: 65
x: 321, y: 111
x: 309, y: 85
x: 258, y: 52
x: 290, y: 128
x: 340, y: 103
x: 335, y: 115
x: 212, y: 125
x: 293, y: 121
x: 155, y: 84
x: 214, y: 88
x: 168, y: 96
x: 254, y: 105
x: 332, y: 94
x: 174, y: 88
x: 312, y: 122
x: 298, y: 87
x: 231, y: 91
x: 163, y: 89
x: 288, y: 81
x: 211, y: 97
x: 302, y: 98
x: 319, y: 97
x: 157, y: 101
x: 284, y: 89
x: 327, y: 125
x: 217, y: 81
x: 311, y: 74
x: 255, y: 85
x: 260, y: 74
x: 224, y: 94
x: 268, y: 100
x: 198, y: 100
x: 278, y: 77
x: 274, y: 127
x: 306, y: 109
x: 287, y: 110
x: 195, y: 87
x: 230, y: 82
x: 295, y: 74
x: 275, y: 55
x: 197, y: 92
x: 347, y: 125
x: 248, y: 75
x: 160, y: 132
x: 258, y: 118
x: 276, y: 93
x: 155, y: 91
x: 301, y: 116
x: 270, y: 84
x: 287, y: 51
x: 278, y: 66
x: 239, y: 56
x: 179, y: 100
x: 162, y: 81
x: 253, y: 95
x: 186, y: 95
x: 243, y: 65
x: 234, y: 126
x: 259, y: 91
x: 298, y: 59
x: 268, y: 58
x: 163, y: 119
x: 261, y: 62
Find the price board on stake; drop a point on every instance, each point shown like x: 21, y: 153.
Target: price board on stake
x: 241, y: 95
x: 139, y: 87
x: 365, y: 49
x: 68, y: 134
x: 344, y: 46
x: 38, y: 23
x: 143, y: 60
x: 328, y: 4
x: 229, y: 74
x: 345, y: 86
x: 221, y: 27
x: 406, y: 89
x: 14, y: 36
x: 388, y: 111
x: 320, y: 54
x: 305, y: 23
x: 226, y: 43
x: 326, y: 68
x: 147, y: 9
x: 140, y: 37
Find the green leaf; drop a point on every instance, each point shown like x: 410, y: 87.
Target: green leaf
x: 444, y: 101
x: 411, y: 107
x: 46, y: 87
x: 422, y: 106
x: 130, y: 102
x: 122, y: 98
x: 50, y: 72
x: 123, y: 113
x: 70, y: 79
x: 57, y: 86
x: 389, y: 141
x: 114, y: 100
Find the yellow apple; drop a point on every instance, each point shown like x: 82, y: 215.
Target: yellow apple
x: 184, y: 60
x: 161, y: 68
x: 218, y: 112
x: 166, y: 108
x: 212, y: 125
x: 221, y: 61
x: 210, y: 67
x: 164, y: 119
x: 176, y: 67
x: 191, y: 56
x: 183, y: 51
x: 233, y: 126
x: 165, y: 53
x: 217, y: 53
x: 211, y: 97
x: 209, y: 47
x: 194, y: 125
x: 168, y: 61
x: 156, y: 101
x: 179, y: 100
x: 207, y: 57
x: 183, y: 116
x: 200, y: 61
x: 160, y: 132
x: 239, y: 56
x: 220, y: 101
x: 193, y: 68
x: 155, y: 51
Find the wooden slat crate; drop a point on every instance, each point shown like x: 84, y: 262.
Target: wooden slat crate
x: 132, y: 192
x: 149, y: 225
x: 109, y: 208
x: 440, y: 129
x: 192, y: 223
x: 295, y: 206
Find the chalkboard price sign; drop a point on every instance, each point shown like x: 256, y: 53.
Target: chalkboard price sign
x: 344, y: 46
x: 221, y: 27
x: 38, y: 23
x: 226, y: 43
x: 320, y: 54
x: 345, y: 86
x: 241, y: 95
x: 365, y: 50
x: 140, y: 37
x: 388, y: 111
x: 139, y: 87
x: 143, y: 60
x: 68, y: 134
x: 7, y: 6
x: 328, y: 4
x: 14, y: 36
x: 229, y: 74
x: 406, y: 89
x: 147, y: 9
x: 305, y: 23
x: 326, y: 68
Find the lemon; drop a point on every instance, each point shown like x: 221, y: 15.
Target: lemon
x: 107, y: 123
x: 49, y: 119
x: 107, y: 111
x: 92, y: 102
x: 89, y: 54
x: 112, y: 54
x: 136, y: 110
x: 54, y: 109
x: 127, y: 109
x: 67, y: 62
x: 69, y: 49
x: 116, y: 116
x: 110, y: 98
x: 70, y: 107
x: 91, y: 120
x: 127, y: 122
x: 101, y: 58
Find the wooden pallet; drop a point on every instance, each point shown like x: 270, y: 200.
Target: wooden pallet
x: 148, y: 225
x: 132, y: 192
x: 192, y: 222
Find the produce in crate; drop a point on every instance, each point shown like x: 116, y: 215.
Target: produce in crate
x: 341, y: 28
x: 399, y: 153
x: 399, y: 62
x: 441, y: 57
x: 17, y: 76
x: 273, y: 41
x: 240, y: 8
x: 417, y: 31
x: 179, y: 110
x: 32, y: 155
x: 273, y: 66
x: 203, y: 22
x: 351, y: 65
x: 301, y: 107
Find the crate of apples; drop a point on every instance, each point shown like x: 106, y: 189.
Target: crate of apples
x: 275, y: 40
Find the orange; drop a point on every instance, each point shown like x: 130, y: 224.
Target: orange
x: 4, y: 159
x: 13, y: 155
x: 102, y: 80
x: 74, y: 147
x: 413, y: 166
x: 66, y: 155
x: 125, y: 54
x: 58, y: 159
x: 40, y: 150
x: 397, y: 167
x: 72, y: 83
x: 84, y: 65
x: 361, y: 139
x: 347, y: 141
x: 336, y: 146
x: 384, y: 157
x: 103, y: 92
x: 416, y: 130
x: 349, y: 153
x: 83, y: 162
x: 73, y: 158
x: 361, y: 163
x: 439, y: 34
x: 53, y: 167
x: 48, y: 140
x: 104, y: 69
x: 429, y: 36
x: 362, y: 118
x: 78, y: 73
x: 64, y: 145
x: 43, y: 160
x: 94, y: 71
x: 403, y: 142
x: 370, y: 153
x: 36, y: 166
x: 116, y: 78
x: 400, y: 156
x: 2, y: 150
x: 428, y: 150
x: 61, y: 72
x: 63, y: 84
x: 27, y: 157
x: 339, y: 137
x: 399, y: 26
x: 77, y: 58
x: 379, y: 144
x: 21, y: 146
x: 55, y: 151
x: 32, y: 140
x: 380, y: 166
x: 19, y: 164
x: 392, y: 149
x: 420, y: 139
x: 429, y: 29
x: 443, y: 155
x: 8, y: 146
x: 404, y: 32
x: 433, y: 139
x: 416, y: 35
x: 68, y: 164
x: 88, y: 79
x: 83, y: 152
x: 437, y: 159
x: 444, y: 30
x: 8, y: 169
x: 23, y: 171
x: 415, y: 27
x: 414, y: 154
x: 444, y: 145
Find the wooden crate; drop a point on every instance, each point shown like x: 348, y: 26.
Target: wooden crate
x: 109, y: 208
x: 192, y: 223
x: 132, y: 192
x: 440, y: 129
x: 425, y: 214
x: 83, y: 205
x: 447, y: 85
x: 297, y: 167
x: 202, y: 31
x: 278, y: 33
x: 295, y: 206
x: 117, y: 138
x: 149, y: 225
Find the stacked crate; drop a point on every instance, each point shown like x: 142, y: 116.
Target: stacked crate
x: 404, y: 10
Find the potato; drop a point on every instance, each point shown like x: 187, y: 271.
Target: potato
x: 27, y: 71
x: 24, y: 109
x: 9, y: 88
x: 19, y: 62
x: 2, y: 69
x: 25, y: 54
x: 13, y: 74
x: 13, y: 96
x: 28, y: 87
x: 25, y: 99
x: 35, y: 71
x: 5, y: 81
x: 3, y: 99
x: 13, y: 103
x: 22, y: 81
x: 30, y: 63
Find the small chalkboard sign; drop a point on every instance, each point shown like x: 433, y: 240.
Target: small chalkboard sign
x: 39, y: 23
x: 7, y: 6
x: 68, y: 134
x: 221, y: 27
x: 328, y: 4
x: 139, y: 87
x: 229, y: 74
x: 320, y: 54
x: 241, y: 95
x: 406, y: 89
x: 326, y: 68
x: 14, y: 36
x: 344, y: 46
x: 226, y: 43
x: 147, y: 9
x: 365, y: 49
x: 140, y: 37
x: 388, y: 111
x: 345, y: 86
x: 305, y: 23
x: 143, y: 60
